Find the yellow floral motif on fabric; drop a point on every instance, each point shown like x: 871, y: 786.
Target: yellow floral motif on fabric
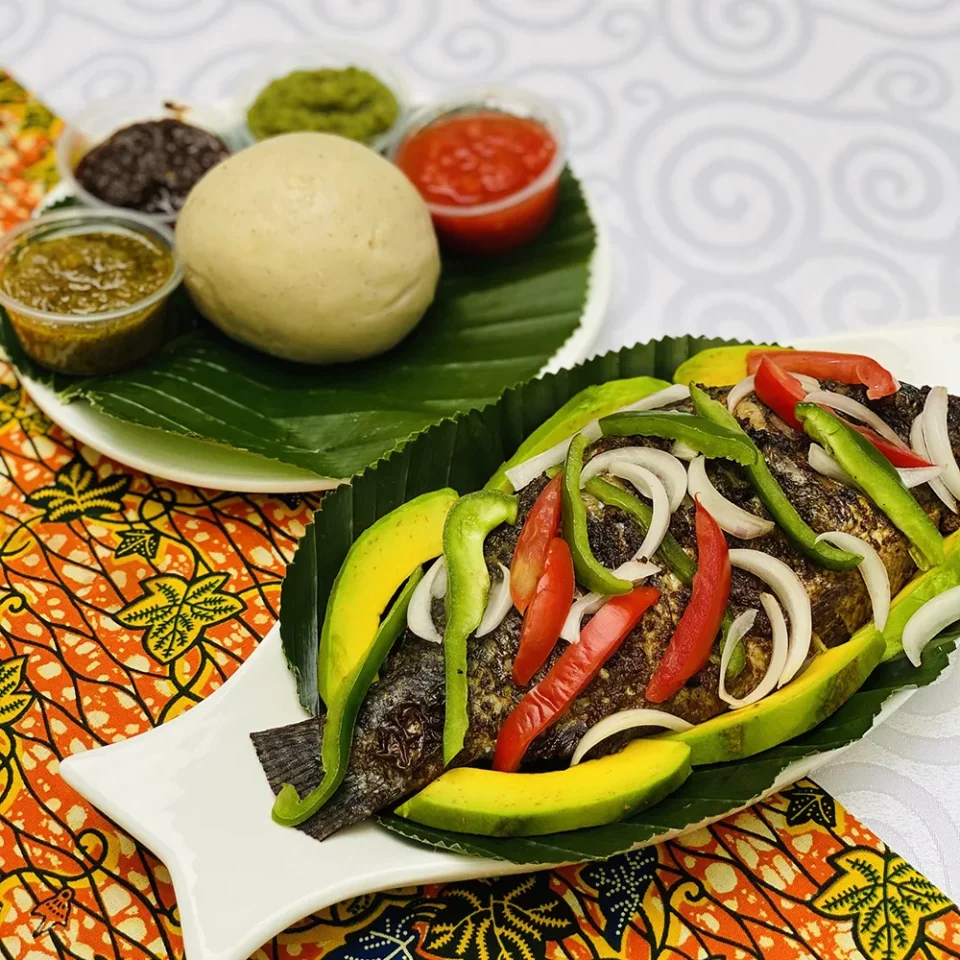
x: 174, y: 612
x: 888, y: 900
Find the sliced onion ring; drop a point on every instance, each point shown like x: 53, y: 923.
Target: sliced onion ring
x: 632, y: 570
x: 525, y: 473
x: 857, y: 410
x: 649, y: 485
x: 731, y: 518
x: 666, y: 467
x: 588, y: 603
x: 937, y: 438
x: 872, y: 570
x: 792, y: 594
x: 778, y: 653
x: 636, y: 570
x: 672, y: 394
x: 682, y: 451
x: 740, y: 391
x: 432, y: 587
x: 826, y: 466
x: 919, y: 444
x: 498, y: 605
x: 626, y: 720
x: 930, y: 620
x: 917, y: 476
x: 740, y: 627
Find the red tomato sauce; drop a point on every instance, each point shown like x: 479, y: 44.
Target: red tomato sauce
x: 471, y: 160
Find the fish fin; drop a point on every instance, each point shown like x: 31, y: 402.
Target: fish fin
x: 292, y: 755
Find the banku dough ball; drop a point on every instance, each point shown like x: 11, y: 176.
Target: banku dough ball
x: 310, y: 247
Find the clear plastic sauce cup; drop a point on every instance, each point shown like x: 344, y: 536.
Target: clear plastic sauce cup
x: 95, y: 343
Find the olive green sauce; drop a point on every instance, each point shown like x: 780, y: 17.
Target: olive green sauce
x: 82, y: 276
x: 86, y: 273
x: 350, y: 102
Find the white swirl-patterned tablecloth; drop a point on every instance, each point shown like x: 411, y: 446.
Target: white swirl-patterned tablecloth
x: 766, y: 168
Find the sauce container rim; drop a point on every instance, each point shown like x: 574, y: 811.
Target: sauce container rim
x: 494, y: 98
x: 210, y: 118
x: 318, y: 54
x: 140, y: 223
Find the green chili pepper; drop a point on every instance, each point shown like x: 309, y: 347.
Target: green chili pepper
x: 712, y: 439
x: 670, y: 555
x: 877, y: 478
x: 590, y: 572
x: 771, y: 494
x: 338, y: 726
x: 470, y: 519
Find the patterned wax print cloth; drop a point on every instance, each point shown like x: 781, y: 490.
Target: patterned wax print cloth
x: 27, y: 162
x: 124, y: 600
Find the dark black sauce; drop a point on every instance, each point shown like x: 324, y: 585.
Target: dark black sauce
x: 150, y: 166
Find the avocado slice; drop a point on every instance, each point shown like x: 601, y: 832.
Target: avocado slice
x: 470, y: 800
x: 915, y: 594
x: 589, y: 404
x: 829, y: 681
x: 380, y: 560
x: 718, y: 366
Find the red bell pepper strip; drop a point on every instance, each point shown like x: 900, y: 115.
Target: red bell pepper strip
x: 844, y: 367
x: 530, y: 554
x: 573, y: 672
x: 898, y: 455
x: 781, y: 392
x: 546, y: 613
x: 690, y: 646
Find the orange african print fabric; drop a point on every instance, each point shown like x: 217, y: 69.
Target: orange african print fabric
x: 124, y: 600
x: 27, y: 163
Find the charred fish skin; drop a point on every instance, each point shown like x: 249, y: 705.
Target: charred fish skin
x: 397, y: 746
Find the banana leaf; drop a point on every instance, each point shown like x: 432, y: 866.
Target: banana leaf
x: 495, y: 322
x: 464, y: 453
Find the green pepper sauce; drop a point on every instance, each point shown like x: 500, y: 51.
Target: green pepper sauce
x: 351, y: 102
x: 84, y: 275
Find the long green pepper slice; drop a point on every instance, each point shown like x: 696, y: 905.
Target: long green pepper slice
x: 591, y: 573
x: 338, y: 725
x: 470, y: 519
x: 670, y: 555
x: 877, y: 478
x: 712, y: 439
x: 771, y: 494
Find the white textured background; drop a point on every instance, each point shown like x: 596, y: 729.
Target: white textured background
x: 767, y: 168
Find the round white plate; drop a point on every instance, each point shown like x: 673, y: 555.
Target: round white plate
x: 188, y: 789
x: 203, y: 463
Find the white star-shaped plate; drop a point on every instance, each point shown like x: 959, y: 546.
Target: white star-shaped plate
x: 193, y: 791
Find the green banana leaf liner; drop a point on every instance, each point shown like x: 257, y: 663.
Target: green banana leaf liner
x: 463, y: 453
x: 495, y: 322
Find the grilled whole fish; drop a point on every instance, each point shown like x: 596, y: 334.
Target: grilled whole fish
x: 397, y: 745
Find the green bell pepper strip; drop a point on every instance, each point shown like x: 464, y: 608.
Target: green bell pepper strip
x: 877, y: 478
x: 771, y: 494
x: 712, y: 439
x: 591, y: 573
x: 338, y: 726
x: 670, y: 554
x: 468, y: 587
